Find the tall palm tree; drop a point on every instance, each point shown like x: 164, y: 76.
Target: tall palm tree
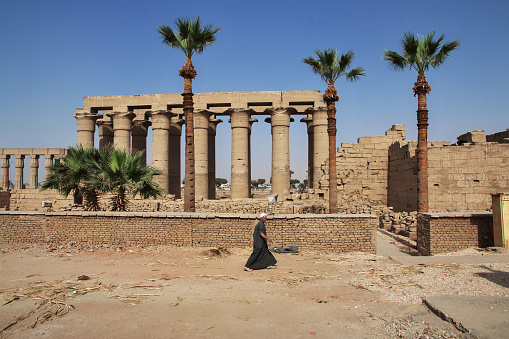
x: 330, y: 66
x: 71, y: 174
x: 123, y: 174
x: 420, y: 53
x: 190, y: 38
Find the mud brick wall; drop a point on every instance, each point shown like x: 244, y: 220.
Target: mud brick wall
x: 453, y: 231
x: 331, y: 233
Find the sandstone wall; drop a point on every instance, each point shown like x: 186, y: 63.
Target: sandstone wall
x: 338, y: 233
x: 363, y: 168
x: 501, y: 137
x: 460, y: 177
x: 402, y: 176
x: 448, y: 232
x: 5, y: 200
x: 30, y: 199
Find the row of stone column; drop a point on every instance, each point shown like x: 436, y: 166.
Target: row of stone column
x: 20, y: 166
x: 167, y: 131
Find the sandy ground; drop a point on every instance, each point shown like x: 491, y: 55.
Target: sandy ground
x: 196, y: 292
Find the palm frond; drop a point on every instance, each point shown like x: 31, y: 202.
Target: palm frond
x: 189, y: 37
x: 330, y: 66
x: 420, y: 52
x: 355, y: 73
x: 396, y: 61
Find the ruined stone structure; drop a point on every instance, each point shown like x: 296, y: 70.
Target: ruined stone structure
x: 382, y: 170
x: 6, y: 154
x: 124, y: 121
x: 363, y: 168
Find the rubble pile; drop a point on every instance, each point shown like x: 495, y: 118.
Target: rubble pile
x: 402, y: 223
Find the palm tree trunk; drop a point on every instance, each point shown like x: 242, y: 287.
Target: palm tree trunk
x: 188, y: 73
x: 330, y: 97
x: 421, y: 89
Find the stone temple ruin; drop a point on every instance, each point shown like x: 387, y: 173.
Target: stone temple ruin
x: 377, y: 175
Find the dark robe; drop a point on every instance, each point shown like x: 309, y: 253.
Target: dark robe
x: 261, y: 256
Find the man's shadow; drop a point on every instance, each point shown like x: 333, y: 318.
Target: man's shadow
x: 497, y: 277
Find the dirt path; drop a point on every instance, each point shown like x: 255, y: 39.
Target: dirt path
x: 171, y: 292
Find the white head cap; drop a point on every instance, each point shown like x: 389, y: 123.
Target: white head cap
x: 262, y: 215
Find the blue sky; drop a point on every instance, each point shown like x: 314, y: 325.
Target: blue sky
x: 56, y: 52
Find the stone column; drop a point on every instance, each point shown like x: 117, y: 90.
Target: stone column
x: 251, y: 122
x: 212, y: 156
x: 86, y: 128
x: 201, y: 153
x: 280, y: 128
x: 48, y: 162
x: 174, y: 175
x: 320, y: 143
x: 105, y: 128
x: 18, y: 178
x: 309, y: 124
x: 122, y: 126
x: 34, y: 171
x: 160, y: 145
x: 4, y: 174
x: 139, y: 138
x: 239, y: 119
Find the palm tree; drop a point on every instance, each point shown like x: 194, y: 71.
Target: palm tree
x: 420, y: 53
x: 330, y: 66
x: 71, y: 174
x: 124, y: 174
x: 190, y: 38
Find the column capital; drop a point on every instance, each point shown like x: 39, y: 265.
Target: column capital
x: 86, y: 121
x: 120, y: 114
x: 102, y: 122
x: 161, y: 119
x: 239, y: 117
x: 140, y: 127
x: 280, y: 116
x: 34, y: 160
x: 213, y: 122
x: 201, y: 119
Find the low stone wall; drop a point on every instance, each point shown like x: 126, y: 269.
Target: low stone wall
x: 453, y: 231
x: 321, y: 232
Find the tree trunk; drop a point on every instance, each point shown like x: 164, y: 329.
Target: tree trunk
x: 188, y: 73
x: 421, y: 89
x: 330, y: 97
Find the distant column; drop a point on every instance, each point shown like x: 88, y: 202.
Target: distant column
x: 309, y: 124
x: 18, y: 179
x: 48, y: 162
x: 34, y: 171
x: 239, y: 119
x: 251, y: 122
x: 280, y: 127
x: 212, y: 156
x: 201, y: 153
x: 139, y: 138
x: 105, y: 128
x: 174, y: 175
x: 4, y: 173
x: 320, y: 143
x: 122, y: 126
x: 160, y: 145
x: 86, y: 128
